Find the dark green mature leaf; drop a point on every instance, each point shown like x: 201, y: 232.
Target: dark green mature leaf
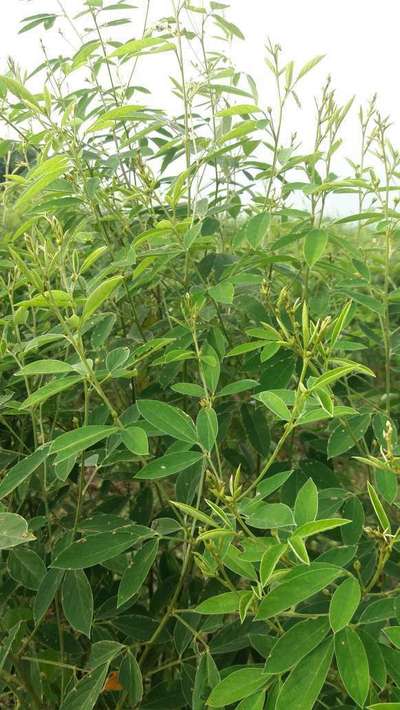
x: 77, y: 601
x: 269, y: 561
x: 103, y: 652
x: 73, y: 442
x: 344, y: 603
x: 296, y: 643
x: 53, y: 388
x: 269, y: 515
x: 226, y: 603
x: 306, y: 504
x: 207, y: 675
x: 207, y: 428
x: 275, y: 403
x: 352, y: 663
x: 376, y: 662
x: 317, y: 526
x: 135, y: 575
x: 344, y: 437
x: 26, y: 567
x: 130, y: 677
x: 98, y: 548
x: 168, y: 419
x: 393, y: 634
x: 22, y: 470
x: 135, y: 439
x: 168, y: 465
x: 237, y: 685
x: 5, y: 648
x: 46, y: 593
x: 298, y: 585
x: 354, y: 511
x: 84, y: 695
x: 302, y: 688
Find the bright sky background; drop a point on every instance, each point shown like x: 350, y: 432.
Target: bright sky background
x: 359, y: 38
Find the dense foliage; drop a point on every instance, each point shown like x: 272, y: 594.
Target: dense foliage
x: 199, y: 382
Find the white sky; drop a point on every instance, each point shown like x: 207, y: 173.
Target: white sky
x: 359, y: 38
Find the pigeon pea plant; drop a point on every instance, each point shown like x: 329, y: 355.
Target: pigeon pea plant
x: 199, y: 381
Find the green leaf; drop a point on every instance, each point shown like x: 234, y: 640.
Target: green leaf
x: 265, y: 331
x: 102, y: 652
x: 298, y: 546
x: 308, y: 66
x: 6, y: 646
x: 318, y: 526
x: 130, y: 677
x: 337, y: 373
x: 269, y: 515
x: 354, y: 511
x: 50, y: 390
x: 379, y: 610
x: 135, y: 439
x: 384, y: 706
x: 99, y: 295
x: 50, y: 170
x: 45, y: 367
x: 344, y: 603
x: 19, y: 90
x: 226, y: 603
x: 238, y: 110
x: 378, y: 508
x: 296, y: 643
x: 168, y: 465
x: 22, y: 470
x: 304, y: 684
x: 245, y: 348
x: 137, y: 571
x: 352, y: 664
x: 306, y: 504
x: 46, y: 593
x: 298, y: 585
x: 376, y: 662
x: 223, y: 292
x: 26, y: 568
x: 393, y: 634
x: 206, y: 677
x: 207, y: 427
x: 237, y: 685
x: 48, y: 299
x: 84, y: 695
x: 269, y: 561
x: 236, y: 387
x: 188, y: 388
x: 195, y: 514
x: 272, y: 483
x: 253, y: 702
x: 78, y: 440
x: 340, y: 323
x: 275, y: 404
x: 13, y: 531
x: 142, y: 46
x: 257, y: 228
x: 98, y: 548
x: 344, y: 437
x: 77, y: 601
x: 315, y: 245
x: 269, y: 350
x: 168, y: 419
x: 229, y: 27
